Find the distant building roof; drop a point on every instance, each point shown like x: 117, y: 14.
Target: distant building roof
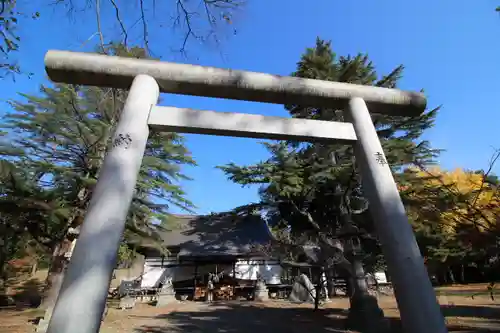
x: 216, y: 235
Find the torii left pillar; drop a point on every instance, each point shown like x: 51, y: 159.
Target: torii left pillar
x: 94, y: 257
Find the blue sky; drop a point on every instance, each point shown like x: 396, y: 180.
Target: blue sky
x: 450, y: 48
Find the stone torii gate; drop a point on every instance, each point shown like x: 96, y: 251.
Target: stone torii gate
x: 83, y: 293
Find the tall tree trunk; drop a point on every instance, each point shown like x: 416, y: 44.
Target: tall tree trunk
x: 34, y: 268
x: 3, y: 275
x: 359, y: 279
x: 444, y: 276
x: 452, y: 276
x: 319, y: 286
x: 349, y: 284
x: 364, y: 313
x: 62, y: 253
x: 317, y: 296
x: 55, y: 276
x: 462, y: 274
x: 330, y: 283
x: 3, y: 266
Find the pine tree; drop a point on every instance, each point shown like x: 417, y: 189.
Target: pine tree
x: 314, y: 177
x: 315, y: 190
x: 62, y: 135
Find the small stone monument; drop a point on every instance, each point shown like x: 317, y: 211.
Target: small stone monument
x: 261, y: 293
x: 166, y: 295
x: 127, y: 301
x: 302, y: 290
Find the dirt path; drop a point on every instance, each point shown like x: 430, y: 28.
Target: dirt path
x: 463, y: 315
x: 228, y: 317
x: 480, y: 315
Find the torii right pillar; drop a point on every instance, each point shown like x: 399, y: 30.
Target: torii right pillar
x: 419, y: 309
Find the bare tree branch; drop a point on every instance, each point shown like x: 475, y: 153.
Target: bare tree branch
x: 144, y: 28
x: 493, y: 160
x: 183, y: 13
x: 120, y: 21
x: 98, y: 21
x: 198, y: 20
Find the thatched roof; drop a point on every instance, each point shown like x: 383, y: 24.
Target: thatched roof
x: 216, y: 235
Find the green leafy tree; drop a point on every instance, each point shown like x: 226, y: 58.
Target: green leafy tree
x: 12, y: 232
x: 456, y: 217
x: 23, y: 209
x: 62, y: 135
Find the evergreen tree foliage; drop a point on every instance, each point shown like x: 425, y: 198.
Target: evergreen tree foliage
x: 59, y: 139
x: 62, y: 136
x: 315, y: 189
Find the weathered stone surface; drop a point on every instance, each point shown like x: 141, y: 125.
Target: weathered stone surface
x: 165, y: 299
x: 340, y: 292
x: 302, y: 290
x: 126, y: 302
x: 261, y: 293
x: 166, y: 295
x: 125, y: 287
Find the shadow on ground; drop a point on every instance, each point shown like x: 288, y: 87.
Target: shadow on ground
x: 246, y: 318
x: 254, y: 318
x: 485, y: 312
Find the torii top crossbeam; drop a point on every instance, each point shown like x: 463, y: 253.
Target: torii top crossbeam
x: 118, y: 72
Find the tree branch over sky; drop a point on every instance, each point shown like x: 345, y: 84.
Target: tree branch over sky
x: 176, y: 24
x: 202, y: 20
x: 10, y: 40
